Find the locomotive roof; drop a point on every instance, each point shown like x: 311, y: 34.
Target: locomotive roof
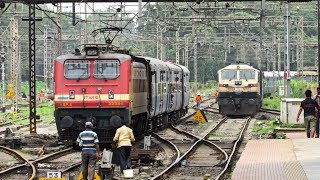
x: 241, y: 66
x: 154, y: 61
x: 109, y: 55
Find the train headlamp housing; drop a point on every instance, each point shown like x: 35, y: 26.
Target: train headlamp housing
x: 92, y: 51
x: 225, y: 85
x: 71, y: 94
x: 111, y: 94
x: 253, y: 85
x: 238, y: 91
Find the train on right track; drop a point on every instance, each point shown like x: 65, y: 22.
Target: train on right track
x: 240, y: 90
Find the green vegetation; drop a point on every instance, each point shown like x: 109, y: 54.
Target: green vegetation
x: 200, y: 125
x: 216, y: 135
x: 24, y: 151
x: 44, y: 110
x: 205, y: 89
x: 262, y: 127
x: 299, y: 86
x: 289, y: 125
x: 271, y: 103
x: 259, y: 129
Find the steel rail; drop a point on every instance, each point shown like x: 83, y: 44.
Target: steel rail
x: 73, y: 166
x: 20, y: 156
x: 35, y: 161
x: 240, y: 137
x: 196, y: 144
x: 271, y: 111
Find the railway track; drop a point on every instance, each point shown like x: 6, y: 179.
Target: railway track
x: 52, y: 162
x: 271, y: 111
x: 40, y: 165
x: 196, y: 147
x: 205, y: 156
x: 20, y: 157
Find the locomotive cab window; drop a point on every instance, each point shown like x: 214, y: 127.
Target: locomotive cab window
x: 77, y: 69
x: 229, y: 74
x: 247, y: 74
x: 106, y: 69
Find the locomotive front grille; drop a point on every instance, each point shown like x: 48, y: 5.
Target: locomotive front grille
x: 69, y: 134
x: 104, y: 136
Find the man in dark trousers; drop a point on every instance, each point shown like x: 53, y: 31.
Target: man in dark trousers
x: 317, y: 98
x: 124, y: 139
x: 88, y: 141
x: 309, y: 106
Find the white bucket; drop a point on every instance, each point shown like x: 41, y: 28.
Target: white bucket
x: 128, y: 173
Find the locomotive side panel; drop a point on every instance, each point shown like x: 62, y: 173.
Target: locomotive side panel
x: 185, y: 87
x: 175, y: 87
x: 159, y: 87
x: 138, y: 89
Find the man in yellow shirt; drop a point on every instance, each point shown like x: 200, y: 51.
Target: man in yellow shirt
x: 124, y: 139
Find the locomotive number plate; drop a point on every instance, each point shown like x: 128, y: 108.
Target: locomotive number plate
x: 115, y: 103
x: 54, y: 174
x: 66, y: 104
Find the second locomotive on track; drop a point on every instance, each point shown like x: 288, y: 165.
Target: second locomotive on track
x: 240, y: 90
x: 99, y: 83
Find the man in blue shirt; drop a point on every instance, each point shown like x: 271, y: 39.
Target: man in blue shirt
x: 88, y: 141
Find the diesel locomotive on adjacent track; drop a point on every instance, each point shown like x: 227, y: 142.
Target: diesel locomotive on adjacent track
x: 101, y: 83
x: 240, y: 90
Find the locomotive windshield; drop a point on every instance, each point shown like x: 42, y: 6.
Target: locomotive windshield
x: 228, y: 74
x: 75, y: 69
x: 106, y: 69
x: 247, y: 74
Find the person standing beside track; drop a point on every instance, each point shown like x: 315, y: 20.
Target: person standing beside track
x: 309, y: 106
x: 124, y: 139
x: 88, y: 141
x: 317, y: 98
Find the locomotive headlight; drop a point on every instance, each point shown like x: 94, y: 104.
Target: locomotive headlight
x: 92, y: 51
x: 66, y: 122
x: 251, y: 101
x: 237, y: 91
x: 111, y: 94
x: 71, y: 94
x: 225, y: 85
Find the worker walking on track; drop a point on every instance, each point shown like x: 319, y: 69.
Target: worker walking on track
x: 198, y: 100
x: 88, y: 141
x: 124, y: 139
x: 41, y: 96
x: 309, y: 106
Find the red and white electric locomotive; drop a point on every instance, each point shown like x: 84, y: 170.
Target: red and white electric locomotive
x: 99, y: 83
